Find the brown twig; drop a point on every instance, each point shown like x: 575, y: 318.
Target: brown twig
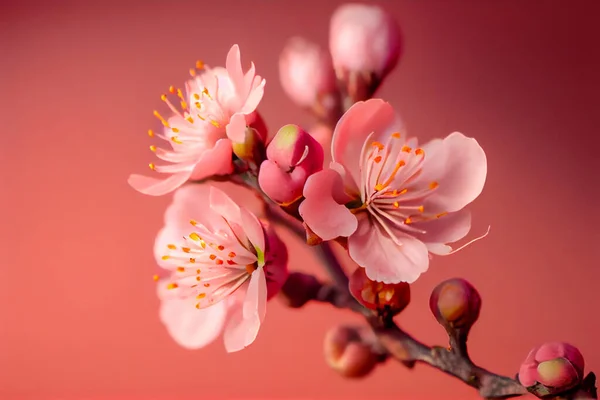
x: 406, y: 349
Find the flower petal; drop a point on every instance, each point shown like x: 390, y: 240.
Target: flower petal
x: 320, y: 210
x: 233, y: 63
x: 244, y: 324
x: 254, y: 97
x: 363, y: 118
x: 189, y: 327
x: 158, y: 187
x: 447, y: 229
x: 215, y: 161
x: 236, y: 129
x: 372, y: 248
x: 459, y: 165
x: 222, y: 204
x: 253, y: 229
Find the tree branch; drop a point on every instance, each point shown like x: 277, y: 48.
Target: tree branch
x: 406, y: 349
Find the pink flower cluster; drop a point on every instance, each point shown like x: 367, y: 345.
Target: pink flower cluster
x: 390, y: 201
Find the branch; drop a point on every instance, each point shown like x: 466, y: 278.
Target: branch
x: 406, y: 349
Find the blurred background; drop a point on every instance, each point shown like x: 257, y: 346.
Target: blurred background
x: 79, y: 81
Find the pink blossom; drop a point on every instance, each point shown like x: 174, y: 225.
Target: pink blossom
x: 223, y: 266
x: 306, y: 73
x: 217, y: 107
x: 364, y: 38
x: 396, y: 202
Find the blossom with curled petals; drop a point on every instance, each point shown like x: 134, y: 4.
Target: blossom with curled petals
x: 218, y: 105
x: 394, y: 201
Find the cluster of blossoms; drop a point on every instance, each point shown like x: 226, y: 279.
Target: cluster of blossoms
x: 360, y: 180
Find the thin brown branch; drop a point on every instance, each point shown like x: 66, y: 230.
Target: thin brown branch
x: 406, y: 349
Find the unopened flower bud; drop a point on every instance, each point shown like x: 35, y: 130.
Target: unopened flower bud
x: 252, y: 149
x: 323, y: 134
x: 365, y: 44
x: 455, y: 304
x: 378, y: 296
x: 292, y: 156
x: 307, y: 76
x: 298, y: 289
x: 348, y: 354
x: 558, y: 366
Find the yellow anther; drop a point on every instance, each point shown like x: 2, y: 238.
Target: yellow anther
x: 153, y: 148
x: 194, y: 236
x: 172, y: 286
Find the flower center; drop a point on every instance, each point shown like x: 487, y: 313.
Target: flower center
x: 209, y: 266
x: 389, y: 187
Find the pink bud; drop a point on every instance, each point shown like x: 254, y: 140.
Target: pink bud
x: 455, y: 303
x: 292, y: 156
x: 556, y: 365
x: 323, y: 134
x: 307, y: 75
x: 378, y: 296
x: 346, y: 353
x: 364, y: 38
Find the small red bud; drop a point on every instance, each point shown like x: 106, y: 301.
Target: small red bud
x: 378, y: 296
x: 347, y: 354
x: 455, y: 303
x: 298, y: 289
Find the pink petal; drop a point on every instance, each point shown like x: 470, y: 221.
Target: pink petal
x: 189, y: 327
x: 244, y: 324
x: 167, y: 235
x: 528, y: 374
x: 447, y: 229
x: 222, y: 204
x: 233, y: 64
x: 215, y: 161
x: 320, y: 210
x: 362, y: 119
x: 236, y: 129
x: 459, y: 165
x: 384, y: 260
x: 254, y: 97
x: 189, y: 202
x: 158, y: 187
x: 253, y: 229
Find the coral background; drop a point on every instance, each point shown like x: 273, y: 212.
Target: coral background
x: 79, y: 81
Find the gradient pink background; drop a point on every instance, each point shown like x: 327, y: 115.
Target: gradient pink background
x: 79, y: 81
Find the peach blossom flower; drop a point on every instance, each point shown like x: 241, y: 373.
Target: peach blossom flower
x: 396, y: 202
x: 218, y: 106
x: 222, y: 272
